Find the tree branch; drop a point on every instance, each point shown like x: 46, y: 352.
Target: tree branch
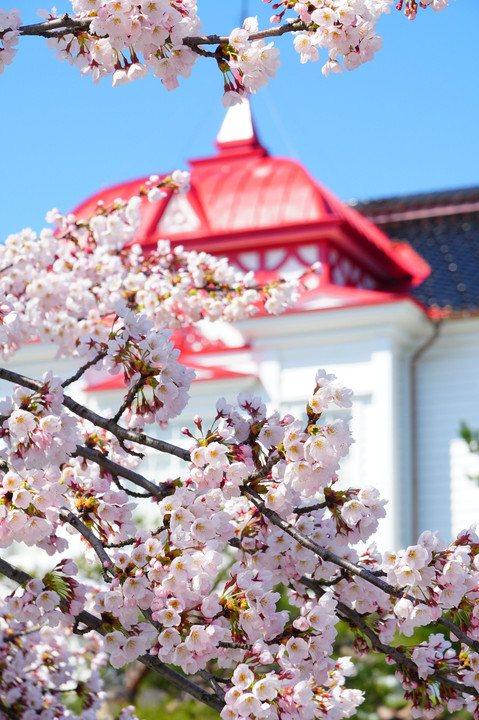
x: 355, y: 619
x: 131, y: 493
x: 84, y: 368
x: 274, y: 31
x: 75, y: 522
x: 14, y: 573
x: 211, y: 680
x: 310, y: 508
x: 361, y: 572
x: 58, y: 26
x: 66, y: 24
x: 159, y: 491
x: 105, y: 423
x: 129, y: 398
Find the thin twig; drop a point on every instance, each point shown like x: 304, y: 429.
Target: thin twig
x: 211, y: 680
x: 264, y: 471
x: 129, y: 397
x: 14, y: 636
x: 84, y: 368
x: 122, y: 543
x: 310, y: 508
x: 234, y: 645
x: 131, y: 493
x: 97, y: 545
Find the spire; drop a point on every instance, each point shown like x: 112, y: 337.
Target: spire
x: 237, y: 131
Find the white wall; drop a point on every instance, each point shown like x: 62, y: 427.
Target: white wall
x: 448, y: 392
x: 369, y: 349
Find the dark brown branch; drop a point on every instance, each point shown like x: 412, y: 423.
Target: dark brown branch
x: 131, y: 493
x: 65, y: 24
x: 350, y: 567
x: 58, y: 26
x: 213, y: 682
x: 159, y: 491
x: 234, y: 645
x: 274, y: 31
x: 91, y: 622
x: 107, y: 424
x: 265, y: 470
x: 122, y: 543
x: 14, y: 573
x: 310, y: 508
x: 97, y: 545
x: 129, y: 398
x: 84, y: 368
x: 182, y: 683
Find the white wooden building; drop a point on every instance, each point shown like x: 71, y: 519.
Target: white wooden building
x: 395, y: 317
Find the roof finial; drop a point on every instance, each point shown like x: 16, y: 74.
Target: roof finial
x: 237, y: 125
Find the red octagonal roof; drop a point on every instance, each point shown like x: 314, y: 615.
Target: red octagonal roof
x: 241, y: 199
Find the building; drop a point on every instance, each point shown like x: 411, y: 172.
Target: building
x: 395, y: 316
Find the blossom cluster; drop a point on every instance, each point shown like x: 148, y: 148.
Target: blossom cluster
x: 9, y: 23
x: 164, y: 597
x: 157, y: 383
x: 257, y: 516
x: 249, y: 63
x: 39, y: 435
x: 126, y: 39
x: 345, y: 28
x: 40, y: 665
x: 437, y: 575
x: 169, y: 285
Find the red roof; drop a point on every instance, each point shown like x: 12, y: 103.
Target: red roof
x: 203, y: 374
x: 242, y: 200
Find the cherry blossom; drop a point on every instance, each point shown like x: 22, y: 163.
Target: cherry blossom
x: 256, y: 514
x: 126, y: 40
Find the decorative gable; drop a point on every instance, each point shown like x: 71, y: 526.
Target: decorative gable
x: 178, y: 217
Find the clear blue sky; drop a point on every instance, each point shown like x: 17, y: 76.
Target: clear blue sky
x: 407, y: 122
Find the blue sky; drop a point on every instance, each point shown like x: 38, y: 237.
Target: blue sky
x: 407, y: 122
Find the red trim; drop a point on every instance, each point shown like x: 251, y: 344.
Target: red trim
x: 210, y: 374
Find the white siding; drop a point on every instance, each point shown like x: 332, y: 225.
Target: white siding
x: 448, y: 392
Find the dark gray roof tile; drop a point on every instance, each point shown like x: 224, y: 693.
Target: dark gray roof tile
x: 445, y: 234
